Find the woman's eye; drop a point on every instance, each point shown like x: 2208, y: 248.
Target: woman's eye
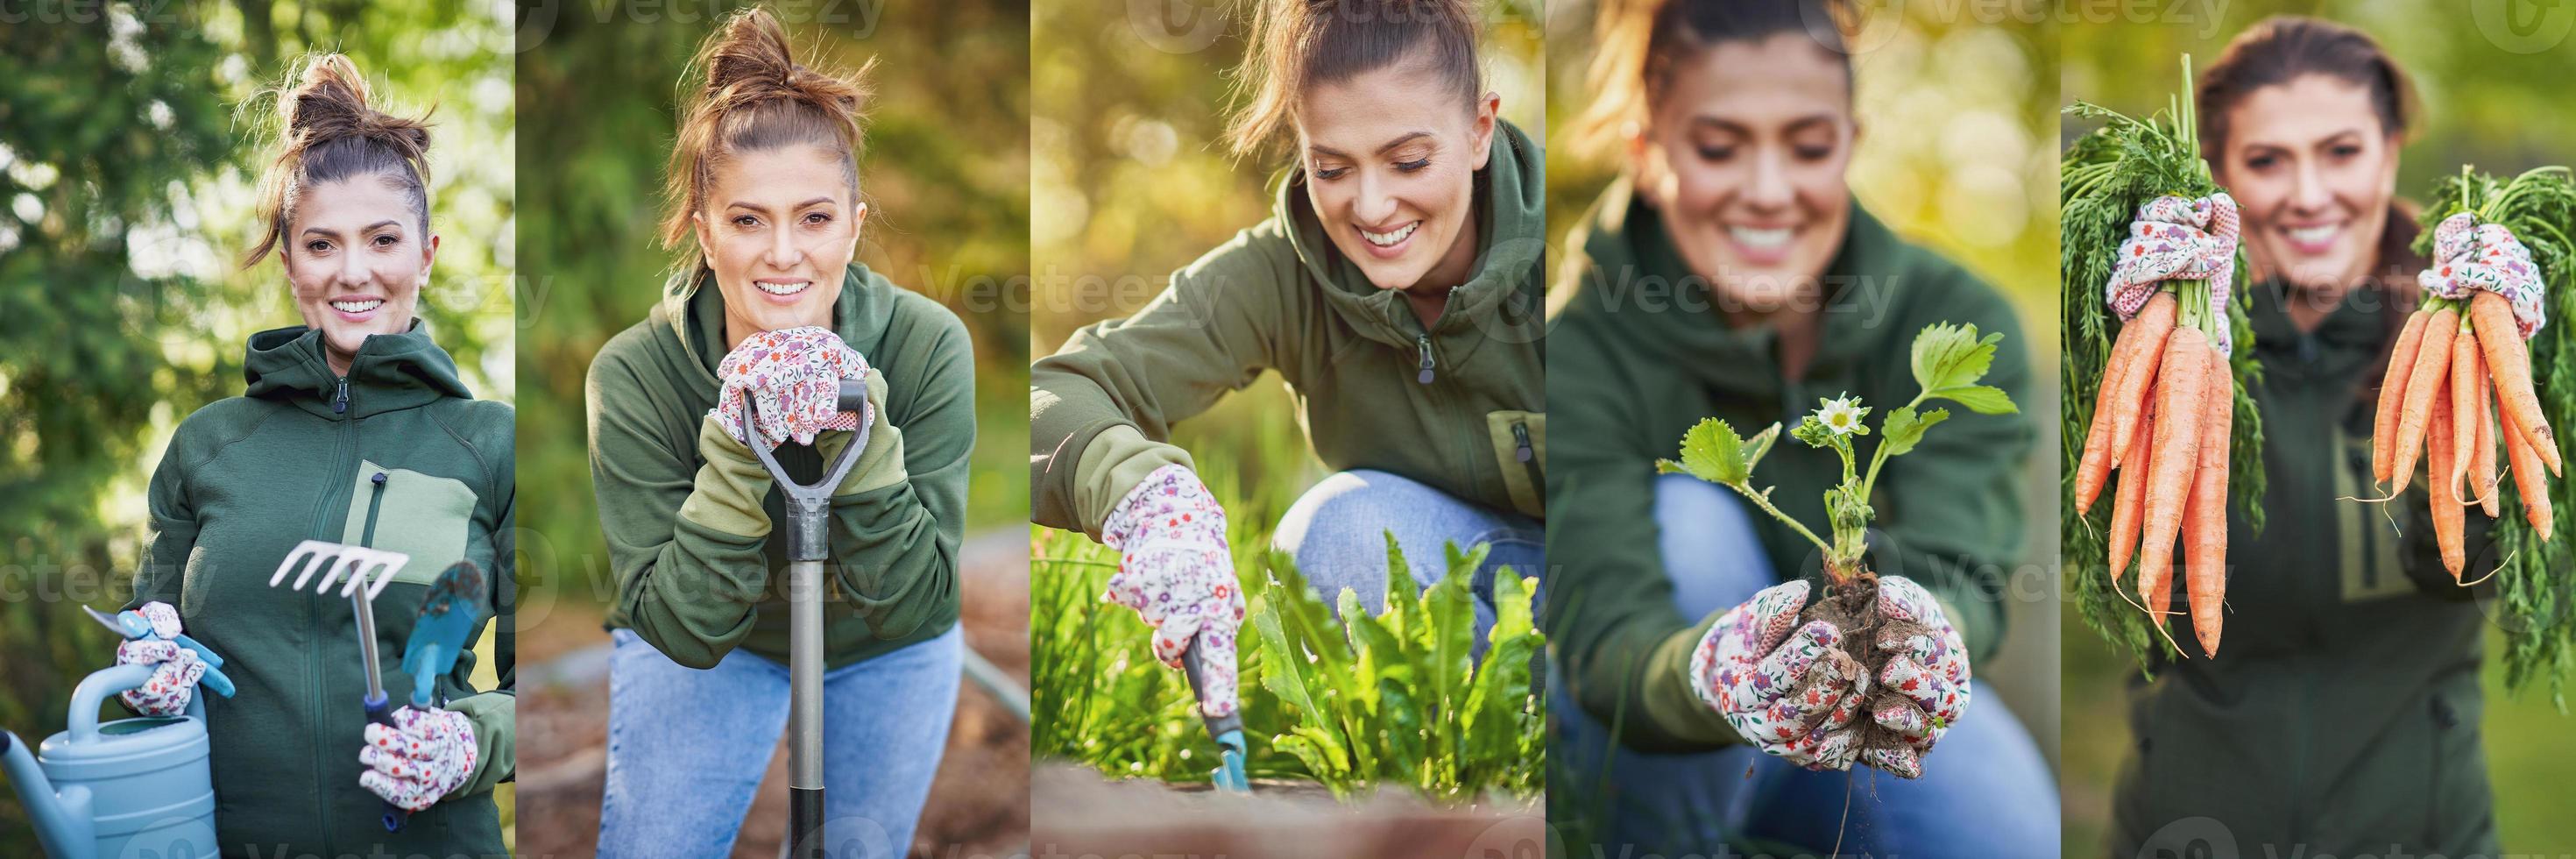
x: 1716, y: 153
x: 1413, y: 165
x: 317, y: 247
x: 1331, y: 174
x: 2261, y: 162
x: 817, y: 218
x: 746, y: 221
x: 1812, y: 153
x: 2346, y: 150
x: 387, y: 241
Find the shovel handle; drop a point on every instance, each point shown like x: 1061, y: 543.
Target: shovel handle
x: 1217, y: 726
x: 807, y: 505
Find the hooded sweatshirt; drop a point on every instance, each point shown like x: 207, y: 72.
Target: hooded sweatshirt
x: 1459, y: 405
x: 688, y: 511
x: 1643, y: 352
x: 395, y: 455
x: 2342, y: 718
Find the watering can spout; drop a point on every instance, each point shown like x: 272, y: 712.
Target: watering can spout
x: 63, y: 821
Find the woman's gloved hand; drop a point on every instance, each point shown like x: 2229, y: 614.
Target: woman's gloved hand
x: 1175, y: 570
x: 793, y: 378
x: 1792, y: 691
x: 175, y: 671
x: 425, y: 754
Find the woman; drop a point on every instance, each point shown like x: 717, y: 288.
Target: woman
x: 1730, y: 273
x: 1394, y: 287
x: 769, y: 305
x: 355, y: 429
x: 2346, y: 719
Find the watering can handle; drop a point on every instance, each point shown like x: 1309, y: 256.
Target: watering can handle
x: 95, y: 689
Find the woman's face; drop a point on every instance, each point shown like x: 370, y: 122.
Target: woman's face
x: 356, y: 259
x: 1390, y: 158
x: 778, y: 228
x: 2313, y: 170
x: 1743, y: 155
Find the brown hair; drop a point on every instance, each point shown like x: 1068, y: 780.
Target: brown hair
x: 1298, y: 44
x: 1638, y: 42
x: 745, y: 92
x: 2282, y: 48
x: 326, y: 132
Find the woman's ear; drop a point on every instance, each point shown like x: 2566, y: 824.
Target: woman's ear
x: 698, y: 225
x: 428, y: 258
x: 1642, y: 172
x: 1488, y: 111
x: 858, y: 222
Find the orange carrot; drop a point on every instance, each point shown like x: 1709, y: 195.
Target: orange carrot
x: 2155, y: 322
x: 2449, y: 521
x: 2414, y: 417
x: 2392, y: 391
x: 2509, y: 362
x: 2129, y: 504
x: 2094, y: 468
x: 2528, y: 482
x: 2204, y: 529
x: 2482, y: 457
x: 2182, y: 391
x: 2464, y: 400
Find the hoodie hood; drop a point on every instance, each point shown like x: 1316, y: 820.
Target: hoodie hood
x: 1511, y: 230
x: 391, y: 372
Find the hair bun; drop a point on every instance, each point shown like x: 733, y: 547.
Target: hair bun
x: 329, y: 101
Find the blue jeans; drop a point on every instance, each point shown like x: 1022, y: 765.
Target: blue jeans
x: 1985, y: 791
x: 1337, y: 532
x: 686, y: 748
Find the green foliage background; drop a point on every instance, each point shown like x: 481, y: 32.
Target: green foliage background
x: 945, y: 175
x: 2494, y: 95
x: 130, y: 145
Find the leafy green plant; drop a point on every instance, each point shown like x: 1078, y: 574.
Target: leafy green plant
x: 2533, y: 585
x: 1391, y: 698
x: 1948, y: 362
x: 2102, y: 179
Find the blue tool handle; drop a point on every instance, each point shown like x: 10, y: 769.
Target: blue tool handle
x: 380, y: 711
x: 204, y: 654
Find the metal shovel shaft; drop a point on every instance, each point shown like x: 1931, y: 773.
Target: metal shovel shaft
x: 805, y: 705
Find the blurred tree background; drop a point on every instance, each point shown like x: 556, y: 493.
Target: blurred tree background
x: 2494, y: 93
x: 944, y: 172
x: 1956, y: 112
x: 1133, y: 181
x: 130, y: 145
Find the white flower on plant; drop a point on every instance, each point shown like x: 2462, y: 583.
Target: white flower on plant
x: 1842, y: 415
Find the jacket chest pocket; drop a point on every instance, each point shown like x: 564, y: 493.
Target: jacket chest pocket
x: 425, y: 516
x: 1519, y: 440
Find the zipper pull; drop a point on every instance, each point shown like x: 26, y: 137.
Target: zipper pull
x: 1424, y: 341
x: 1521, y: 440
x: 340, y: 401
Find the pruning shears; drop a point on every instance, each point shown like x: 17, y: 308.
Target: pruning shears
x: 133, y: 626
x: 1226, y: 730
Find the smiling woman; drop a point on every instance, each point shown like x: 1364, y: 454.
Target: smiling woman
x: 1395, y: 287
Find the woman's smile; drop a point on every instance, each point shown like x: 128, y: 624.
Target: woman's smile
x: 1761, y: 245
x: 2315, y: 239
x: 783, y: 290
x: 1389, y: 244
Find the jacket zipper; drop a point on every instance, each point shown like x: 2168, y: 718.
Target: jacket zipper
x: 375, y: 503
x: 1523, y: 451
x: 1423, y: 341
x: 319, y: 691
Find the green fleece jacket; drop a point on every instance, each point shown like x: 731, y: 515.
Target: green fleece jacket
x: 1459, y: 405
x: 1641, y: 352
x: 395, y: 455
x: 687, y: 510
x: 2343, y: 716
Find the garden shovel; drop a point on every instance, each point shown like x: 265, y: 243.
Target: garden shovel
x: 1226, y: 730
x: 809, y: 509
x: 446, y: 624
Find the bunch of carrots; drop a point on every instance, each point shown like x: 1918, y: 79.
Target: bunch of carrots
x: 2458, y: 369
x: 2168, y: 414
x: 2163, y: 419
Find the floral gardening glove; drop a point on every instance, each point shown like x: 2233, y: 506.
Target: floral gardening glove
x: 1750, y: 665
x: 425, y: 754
x: 793, y: 376
x: 1176, y: 571
x: 174, y: 677
x: 1930, y: 670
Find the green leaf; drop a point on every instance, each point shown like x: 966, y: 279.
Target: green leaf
x: 1905, y: 426
x: 1952, y: 356
x: 1982, y: 399
x: 1711, y: 451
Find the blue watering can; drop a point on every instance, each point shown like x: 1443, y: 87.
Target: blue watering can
x: 131, y: 787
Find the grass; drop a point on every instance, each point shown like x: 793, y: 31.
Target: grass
x: 1391, y: 699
